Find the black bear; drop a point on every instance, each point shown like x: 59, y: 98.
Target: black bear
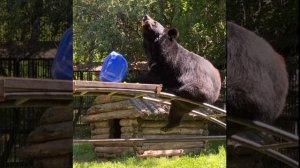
x: 181, y: 72
x: 257, y: 80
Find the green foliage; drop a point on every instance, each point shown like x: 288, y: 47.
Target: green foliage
x: 31, y: 26
x: 23, y: 19
x: 103, y: 26
x: 276, y: 21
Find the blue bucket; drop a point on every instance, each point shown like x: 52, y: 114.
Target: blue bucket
x: 62, y: 67
x: 114, y: 68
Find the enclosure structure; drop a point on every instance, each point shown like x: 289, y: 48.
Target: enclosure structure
x: 119, y: 117
x: 134, y: 114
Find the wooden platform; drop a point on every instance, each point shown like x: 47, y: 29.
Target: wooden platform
x: 21, y: 92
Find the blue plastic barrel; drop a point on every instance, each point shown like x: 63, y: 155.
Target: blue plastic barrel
x: 114, y: 68
x: 62, y: 67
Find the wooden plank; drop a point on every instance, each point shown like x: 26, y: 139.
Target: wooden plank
x: 40, y: 95
x: 163, y: 138
x: 98, y: 84
x: 26, y: 90
x: 28, y: 84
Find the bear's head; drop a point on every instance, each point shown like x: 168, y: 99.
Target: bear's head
x: 151, y: 28
x: 166, y: 42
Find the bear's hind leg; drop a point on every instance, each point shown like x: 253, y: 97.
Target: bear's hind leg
x: 192, y: 92
x: 178, y: 109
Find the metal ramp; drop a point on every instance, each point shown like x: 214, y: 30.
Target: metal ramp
x: 270, y: 149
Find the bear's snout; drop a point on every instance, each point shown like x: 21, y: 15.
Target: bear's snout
x: 146, y: 17
x: 147, y: 21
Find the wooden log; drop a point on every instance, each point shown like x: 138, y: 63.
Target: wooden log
x: 111, y: 115
x: 102, y: 136
x: 51, y: 132
x: 47, y: 149
x: 114, y: 150
x: 128, y: 135
x: 100, y: 131
x: 101, y: 124
x: 171, y: 136
x: 183, y: 131
x: 172, y: 145
x: 129, y: 122
x: 102, y: 99
x: 120, y: 144
x: 129, y: 130
x: 159, y: 124
x: 131, y: 135
x: 107, y: 155
x: 59, y: 161
x: 57, y: 114
x: 164, y: 116
x: 159, y: 153
x: 120, y: 105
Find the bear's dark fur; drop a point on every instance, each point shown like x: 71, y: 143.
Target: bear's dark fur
x: 257, y: 80
x: 181, y: 72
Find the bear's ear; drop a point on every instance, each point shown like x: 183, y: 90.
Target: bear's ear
x: 173, y: 33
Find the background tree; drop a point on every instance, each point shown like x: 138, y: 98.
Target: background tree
x: 103, y: 26
x: 29, y: 26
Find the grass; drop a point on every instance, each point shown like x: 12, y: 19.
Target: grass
x: 84, y: 157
